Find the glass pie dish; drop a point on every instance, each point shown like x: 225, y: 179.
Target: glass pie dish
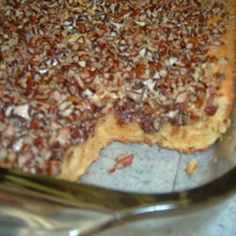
x: 158, y: 191
x: 154, y: 191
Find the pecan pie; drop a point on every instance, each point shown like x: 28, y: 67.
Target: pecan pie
x: 76, y: 75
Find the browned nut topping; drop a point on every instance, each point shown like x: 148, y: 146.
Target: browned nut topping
x: 122, y: 161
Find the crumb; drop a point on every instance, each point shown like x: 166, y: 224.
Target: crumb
x: 122, y: 161
x: 192, y: 167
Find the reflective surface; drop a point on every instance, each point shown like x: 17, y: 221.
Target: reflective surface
x: 42, y: 205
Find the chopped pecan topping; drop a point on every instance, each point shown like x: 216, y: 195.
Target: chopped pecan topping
x: 122, y: 161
